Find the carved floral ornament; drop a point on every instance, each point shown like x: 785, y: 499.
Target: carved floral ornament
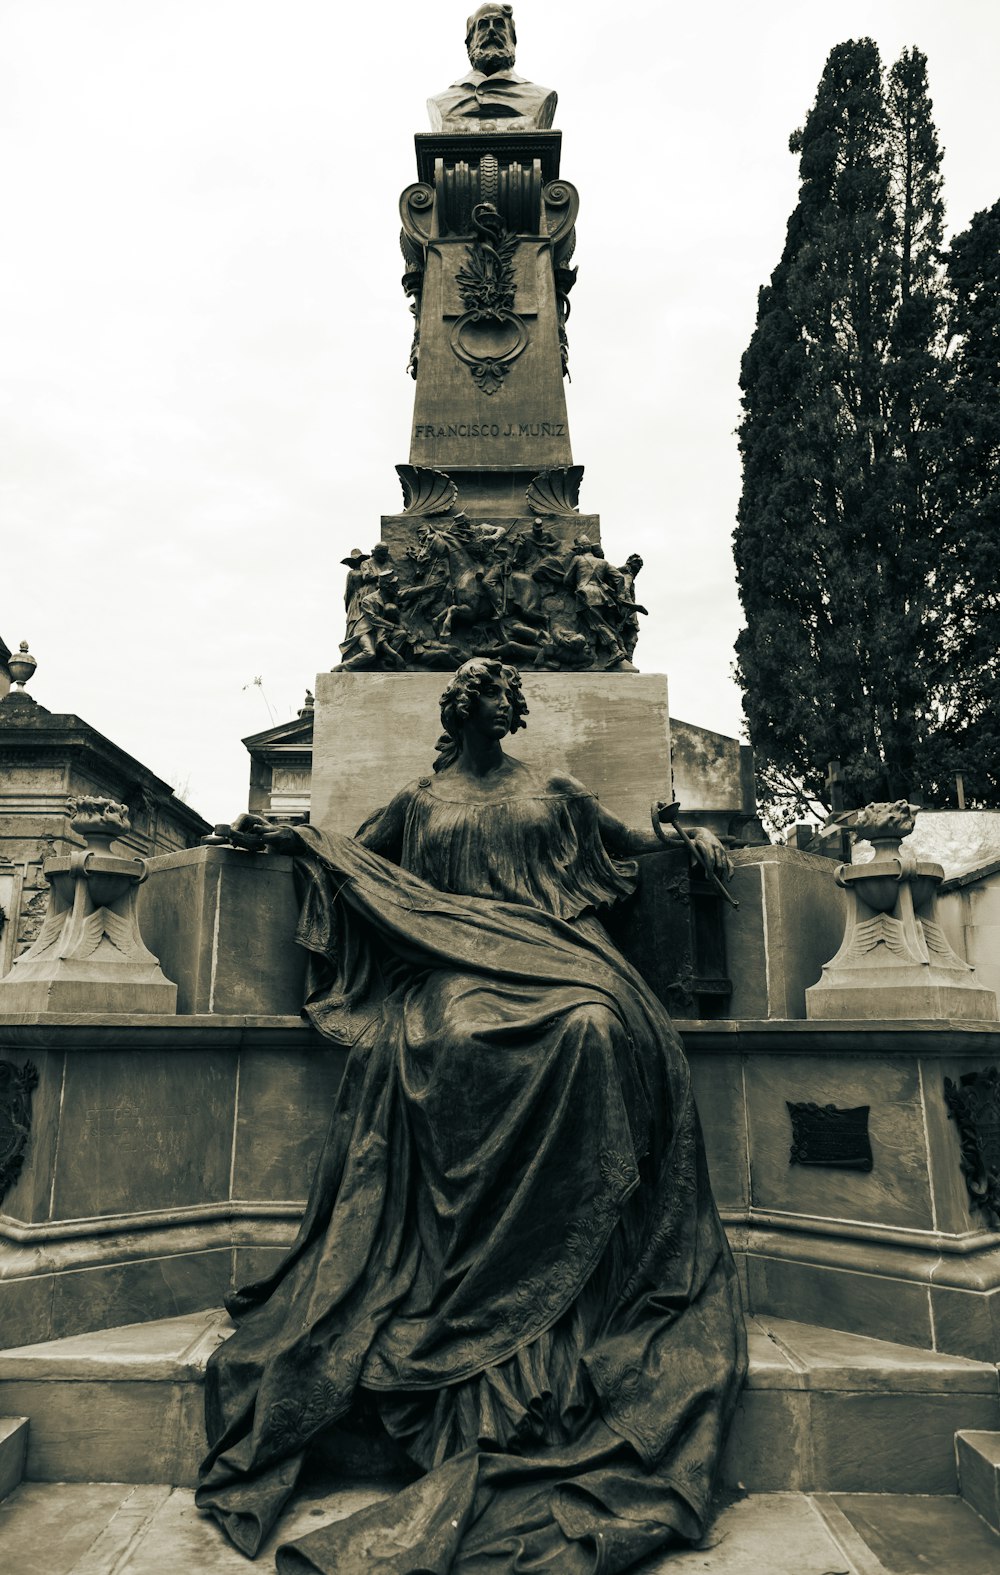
x: 974, y: 1105
x: 16, y: 1086
x: 489, y: 336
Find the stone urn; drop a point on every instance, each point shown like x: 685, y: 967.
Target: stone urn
x: 893, y: 877
x: 89, y: 955
x: 895, y: 960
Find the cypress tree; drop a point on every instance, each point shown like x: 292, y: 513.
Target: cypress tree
x: 968, y: 737
x: 841, y: 438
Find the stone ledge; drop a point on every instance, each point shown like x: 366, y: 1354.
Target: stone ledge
x: 704, y: 1036
x: 173, y: 1349
x: 784, y: 1035
x: 979, y: 1271
x: 154, y: 1031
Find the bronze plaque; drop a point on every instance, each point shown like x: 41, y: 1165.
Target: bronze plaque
x: 824, y: 1135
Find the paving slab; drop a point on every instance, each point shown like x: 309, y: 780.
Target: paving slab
x: 111, y: 1529
x: 47, y: 1527
x: 912, y: 1535
x: 104, y: 1529
x: 766, y: 1534
x: 179, y: 1537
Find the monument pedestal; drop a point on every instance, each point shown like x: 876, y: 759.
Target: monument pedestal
x: 374, y: 733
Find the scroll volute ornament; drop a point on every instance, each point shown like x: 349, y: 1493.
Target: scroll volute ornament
x: 416, y: 210
x: 560, y: 204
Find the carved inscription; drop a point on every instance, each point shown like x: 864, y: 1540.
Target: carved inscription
x: 490, y: 429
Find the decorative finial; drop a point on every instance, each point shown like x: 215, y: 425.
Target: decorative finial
x: 21, y: 666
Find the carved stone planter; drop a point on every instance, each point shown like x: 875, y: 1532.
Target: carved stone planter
x: 895, y: 960
x: 89, y: 955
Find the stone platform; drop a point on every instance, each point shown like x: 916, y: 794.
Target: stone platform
x: 897, y: 1251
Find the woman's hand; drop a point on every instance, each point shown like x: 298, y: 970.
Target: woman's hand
x: 256, y: 831
x: 709, y: 849
x: 711, y: 852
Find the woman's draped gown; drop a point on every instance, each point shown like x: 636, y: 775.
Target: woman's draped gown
x: 510, y: 1255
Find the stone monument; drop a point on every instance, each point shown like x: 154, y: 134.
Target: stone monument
x: 490, y: 554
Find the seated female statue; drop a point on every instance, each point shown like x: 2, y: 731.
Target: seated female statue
x: 510, y: 1262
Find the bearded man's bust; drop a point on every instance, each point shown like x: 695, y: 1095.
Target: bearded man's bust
x: 491, y: 96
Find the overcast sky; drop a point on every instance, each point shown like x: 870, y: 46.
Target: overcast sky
x: 203, y: 336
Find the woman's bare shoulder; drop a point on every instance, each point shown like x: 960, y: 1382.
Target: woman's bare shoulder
x: 561, y: 782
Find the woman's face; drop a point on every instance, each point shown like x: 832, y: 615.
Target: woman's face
x: 492, y: 711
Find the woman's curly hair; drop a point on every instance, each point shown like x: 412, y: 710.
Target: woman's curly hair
x: 462, y: 693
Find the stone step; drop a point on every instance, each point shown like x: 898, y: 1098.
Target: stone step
x: 823, y: 1411
x: 13, y: 1449
x: 979, y: 1473
x: 830, y: 1412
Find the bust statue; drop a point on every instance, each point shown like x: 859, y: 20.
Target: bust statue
x: 490, y: 96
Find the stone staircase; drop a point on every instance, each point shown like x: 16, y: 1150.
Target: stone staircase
x: 822, y: 1412
x: 848, y: 1457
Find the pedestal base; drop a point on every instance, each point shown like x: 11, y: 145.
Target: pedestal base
x: 70, y: 994
x: 909, y: 992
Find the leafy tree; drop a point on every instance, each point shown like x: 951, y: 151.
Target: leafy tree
x: 843, y: 440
